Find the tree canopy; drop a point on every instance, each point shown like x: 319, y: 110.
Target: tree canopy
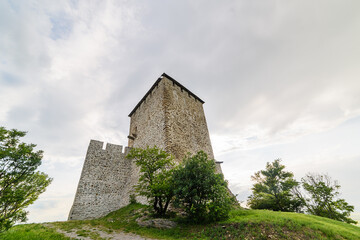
x: 20, y: 183
x: 155, y: 182
x: 321, y: 199
x: 274, y: 189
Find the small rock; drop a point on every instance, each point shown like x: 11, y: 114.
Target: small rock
x: 156, y: 222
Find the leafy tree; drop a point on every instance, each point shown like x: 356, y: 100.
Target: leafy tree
x: 20, y: 183
x: 156, y: 168
x: 275, y: 189
x: 321, y: 200
x: 201, y: 191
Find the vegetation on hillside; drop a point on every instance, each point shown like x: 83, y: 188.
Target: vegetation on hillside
x: 201, y: 192
x: 192, y: 185
x: 209, y: 210
x: 276, y: 189
x: 155, y: 181
x: 242, y: 224
x: 322, y: 198
x: 20, y: 183
x: 273, y: 189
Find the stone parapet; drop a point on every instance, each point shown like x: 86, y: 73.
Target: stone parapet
x: 106, y: 181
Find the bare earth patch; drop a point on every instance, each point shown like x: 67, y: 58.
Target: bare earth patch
x: 93, y: 233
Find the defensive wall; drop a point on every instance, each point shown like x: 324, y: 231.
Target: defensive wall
x: 106, y: 181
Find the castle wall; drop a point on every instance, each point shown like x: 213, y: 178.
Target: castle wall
x: 147, y: 123
x: 105, y: 183
x: 185, y: 123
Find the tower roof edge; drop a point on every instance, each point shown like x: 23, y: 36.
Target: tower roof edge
x: 156, y: 83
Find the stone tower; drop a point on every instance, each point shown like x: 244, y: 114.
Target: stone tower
x: 169, y: 116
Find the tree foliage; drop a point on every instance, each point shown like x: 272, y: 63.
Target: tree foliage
x: 155, y: 182
x: 321, y: 198
x: 202, y: 192
x: 274, y: 189
x: 20, y: 183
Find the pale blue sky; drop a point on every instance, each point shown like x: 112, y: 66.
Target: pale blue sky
x: 280, y: 79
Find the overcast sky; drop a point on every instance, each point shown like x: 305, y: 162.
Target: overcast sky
x: 280, y: 79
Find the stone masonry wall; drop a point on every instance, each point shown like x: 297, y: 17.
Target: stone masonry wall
x: 147, y: 124
x: 172, y: 119
x: 105, y: 183
x: 185, y: 124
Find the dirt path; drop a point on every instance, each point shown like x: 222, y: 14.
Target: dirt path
x: 94, y: 233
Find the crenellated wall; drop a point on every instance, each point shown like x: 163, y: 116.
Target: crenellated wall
x: 105, y: 183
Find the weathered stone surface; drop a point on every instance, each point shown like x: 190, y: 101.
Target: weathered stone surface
x: 105, y: 183
x: 170, y: 117
x: 185, y: 125
x: 147, y: 123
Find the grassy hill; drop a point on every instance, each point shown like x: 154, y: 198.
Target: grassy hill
x: 242, y: 224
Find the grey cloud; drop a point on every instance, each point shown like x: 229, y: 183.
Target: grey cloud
x: 273, y: 53
x: 269, y: 72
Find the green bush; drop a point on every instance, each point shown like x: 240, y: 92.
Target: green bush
x: 200, y: 191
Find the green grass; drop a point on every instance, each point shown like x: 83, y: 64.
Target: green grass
x: 242, y: 224
x: 281, y: 225
x: 32, y: 232
x: 298, y: 222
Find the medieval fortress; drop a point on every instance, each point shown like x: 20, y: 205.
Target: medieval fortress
x: 169, y: 116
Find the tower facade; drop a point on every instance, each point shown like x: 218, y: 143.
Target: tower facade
x: 169, y: 116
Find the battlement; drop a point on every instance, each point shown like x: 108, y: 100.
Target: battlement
x: 98, y: 146
x: 105, y: 183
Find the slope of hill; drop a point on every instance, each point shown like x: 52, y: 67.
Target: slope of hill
x: 243, y: 224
